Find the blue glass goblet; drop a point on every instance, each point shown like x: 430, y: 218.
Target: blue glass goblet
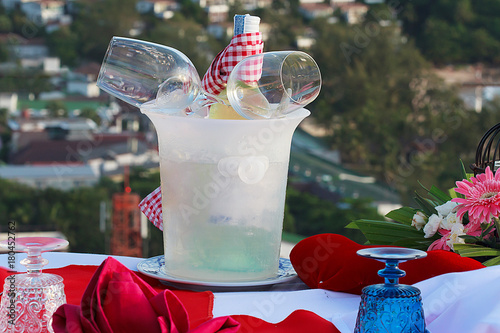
x: 391, y: 307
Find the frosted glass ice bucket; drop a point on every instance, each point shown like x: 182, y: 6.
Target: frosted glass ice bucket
x: 223, y: 187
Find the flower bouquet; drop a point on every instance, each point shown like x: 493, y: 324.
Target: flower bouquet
x: 465, y: 220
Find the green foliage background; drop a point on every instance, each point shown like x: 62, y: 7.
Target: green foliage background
x: 76, y: 213
x: 387, y: 113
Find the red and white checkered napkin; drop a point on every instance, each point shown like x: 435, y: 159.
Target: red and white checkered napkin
x: 241, y: 46
x: 213, y: 83
x: 151, y: 207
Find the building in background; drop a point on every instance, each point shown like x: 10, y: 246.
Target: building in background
x: 8, y: 101
x: 57, y: 176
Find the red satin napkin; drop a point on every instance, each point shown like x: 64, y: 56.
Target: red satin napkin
x: 117, y: 300
x: 198, y: 305
x: 329, y: 261
x: 77, y: 277
x: 300, y: 321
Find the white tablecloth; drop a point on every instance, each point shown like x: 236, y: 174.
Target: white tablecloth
x: 458, y: 302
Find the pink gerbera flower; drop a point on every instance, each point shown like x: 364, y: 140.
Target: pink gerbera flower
x: 482, y: 197
x: 441, y: 243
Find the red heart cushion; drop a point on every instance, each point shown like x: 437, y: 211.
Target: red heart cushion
x: 329, y: 261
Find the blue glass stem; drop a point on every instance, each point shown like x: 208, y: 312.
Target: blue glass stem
x: 391, y: 273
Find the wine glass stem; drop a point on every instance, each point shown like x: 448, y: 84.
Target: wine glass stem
x: 34, y: 262
x: 391, y: 273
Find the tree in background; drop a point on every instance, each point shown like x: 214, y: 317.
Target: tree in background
x: 4, y: 52
x: 5, y: 135
x: 25, y: 82
x: 311, y: 215
x: 96, y: 22
x: 389, y: 115
x: 64, y: 43
x: 90, y: 113
x: 184, y: 35
x: 285, y: 27
x: 78, y: 218
x: 22, y: 26
x: 57, y: 109
x: 75, y: 213
x: 193, y: 12
x: 454, y: 31
x: 5, y: 23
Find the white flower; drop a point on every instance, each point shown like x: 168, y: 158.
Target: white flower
x: 450, y: 220
x: 419, y: 220
x: 446, y: 208
x: 432, y: 226
x: 453, y: 238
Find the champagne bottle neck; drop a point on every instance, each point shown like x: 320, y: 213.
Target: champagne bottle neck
x: 246, y: 24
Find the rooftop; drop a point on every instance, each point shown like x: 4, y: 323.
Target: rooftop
x: 91, y: 68
x: 46, y: 171
x: 47, y: 152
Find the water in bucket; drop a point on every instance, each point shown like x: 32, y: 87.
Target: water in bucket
x: 223, y: 188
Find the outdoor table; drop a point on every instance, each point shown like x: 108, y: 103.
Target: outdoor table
x: 456, y: 302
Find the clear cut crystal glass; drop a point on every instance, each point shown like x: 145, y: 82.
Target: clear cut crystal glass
x: 29, y: 300
x: 391, y: 307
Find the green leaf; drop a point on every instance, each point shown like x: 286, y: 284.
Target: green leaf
x: 439, y: 195
x: 472, y: 250
x: 452, y: 193
x: 464, y: 175
x: 428, y: 207
x: 463, y: 171
x: 496, y: 223
x: 384, y: 232
x: 486, y: 229
x: 402, y: 215
x: 470, y: 239
x: 352, y: 225
x: 492, y: 261
x: 418, y: 243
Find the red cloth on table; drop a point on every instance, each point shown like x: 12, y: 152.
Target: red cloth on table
x: 299, y: 321
x: 76, y: 278
x: 199, y: 305
x: 117, y: 300
x: 329, y: 261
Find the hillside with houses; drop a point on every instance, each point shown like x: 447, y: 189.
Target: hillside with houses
x: 48, y: 89
x: 52, y: 123
x: 398, y: 105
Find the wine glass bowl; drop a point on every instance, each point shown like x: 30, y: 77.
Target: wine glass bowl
x: 391, y: 307
x: 44, y: 244
x: 138, y: 72
x: 273, y: 84
x: 391, y: 253
x: 30, y: 299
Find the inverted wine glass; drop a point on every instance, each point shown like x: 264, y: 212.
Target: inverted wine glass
x: 273, y: 84
x: 29, y: 300
x: 140, y: 72
x: 391, y: 307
